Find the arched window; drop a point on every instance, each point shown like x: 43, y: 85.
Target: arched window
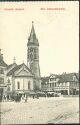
x: 29, y: 86
x: 18, y: 85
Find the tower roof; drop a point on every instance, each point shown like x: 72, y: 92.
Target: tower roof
x: 32, y: 40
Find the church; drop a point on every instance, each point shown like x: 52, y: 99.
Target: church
x: 22, y: 78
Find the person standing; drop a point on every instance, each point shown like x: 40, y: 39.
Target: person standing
x: 26, y: 98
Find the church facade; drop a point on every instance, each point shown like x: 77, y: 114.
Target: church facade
x: 25, y: 78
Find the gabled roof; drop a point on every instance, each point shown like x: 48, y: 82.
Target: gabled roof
x: 67, y: 77
x: 11, y: 65
x: 52, y: 76
x: 11, y: 72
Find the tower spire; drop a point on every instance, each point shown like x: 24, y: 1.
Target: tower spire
x: 32, y: 38
x: 32, y: 30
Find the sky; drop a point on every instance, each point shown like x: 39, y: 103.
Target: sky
x: 57, y: 31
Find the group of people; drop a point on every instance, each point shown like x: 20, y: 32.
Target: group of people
x: 17, y: 97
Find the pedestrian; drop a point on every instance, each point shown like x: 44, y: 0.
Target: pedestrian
x: 22, y: 98
x: 26, y: 98
x: 33, y: 96
x: 4, y: 98
x: 37, y: 96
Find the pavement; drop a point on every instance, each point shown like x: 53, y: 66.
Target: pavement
x: 41, y: 111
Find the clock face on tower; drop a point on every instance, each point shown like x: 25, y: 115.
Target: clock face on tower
x: 32, y: 53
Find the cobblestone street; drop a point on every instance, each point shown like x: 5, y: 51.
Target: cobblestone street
x: 42, y: 110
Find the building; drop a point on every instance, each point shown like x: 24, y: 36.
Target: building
x: 66, y: 84
x: 33, y: 57
x: 24, y: 78
x: 3, y: 67
x: 20, y: 78
x: 45, y: 84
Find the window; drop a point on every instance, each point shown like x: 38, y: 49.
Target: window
x: 18, y: 85
x: 1, y: 80
x: 8, y: 88
x: 31, y: 49
x: 61, y: 84
x: 35, y: 50
x: 54, y: 79
x: 74, y: 78
x: 31, y: 56
x: 8, y: 80
x: 58, y: 84
x: 51, y: 79
x: 35, y: 56
x: 50, y: 84
x: 1, y: 71
x: 29, y: 86
x: 28, y: 55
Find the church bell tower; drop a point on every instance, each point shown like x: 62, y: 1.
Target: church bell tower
x: 33, y: 57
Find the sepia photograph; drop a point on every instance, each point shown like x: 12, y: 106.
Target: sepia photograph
x: 39, y: 62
